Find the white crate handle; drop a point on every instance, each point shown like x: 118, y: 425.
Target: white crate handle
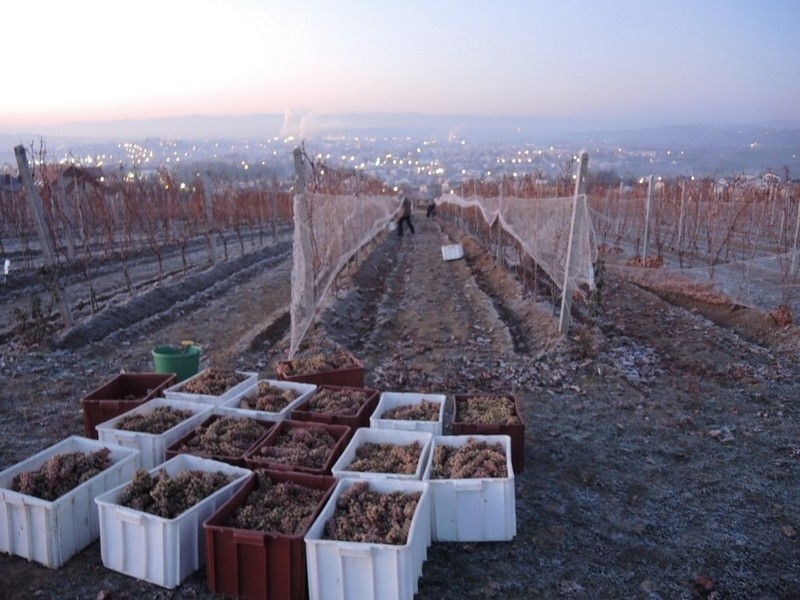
x: 127, y: 441
x: 123, y: 514
x: 356, y: 552
x: 469, y: 485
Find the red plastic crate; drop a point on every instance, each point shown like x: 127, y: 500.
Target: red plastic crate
x: 349, y: 377
x: 119, y: 395
x: 341, y: 433
x: 237, y: 461
x: 254, y: 564
x: 361, y: 419
x: 515, y: 430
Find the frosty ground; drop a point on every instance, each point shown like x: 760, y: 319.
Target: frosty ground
x: 662, y: 449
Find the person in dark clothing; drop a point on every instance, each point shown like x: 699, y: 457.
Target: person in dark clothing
x: 405, y: 217
x: 431, y: 209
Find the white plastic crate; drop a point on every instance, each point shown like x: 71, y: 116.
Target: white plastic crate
x: 304, y: 391
x: 366, y: 435
x: 390, y: 400
x: 162, y: 551
x: 51, y: 532
x: 339, y: 570
x: 452, y: 252
x: 153, y: 446
x: 472, y: 510
x: 176, y: 392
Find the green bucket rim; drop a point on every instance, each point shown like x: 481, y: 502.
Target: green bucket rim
x: 167, y: 350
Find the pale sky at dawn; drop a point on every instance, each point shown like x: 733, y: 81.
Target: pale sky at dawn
x: 639, y: 61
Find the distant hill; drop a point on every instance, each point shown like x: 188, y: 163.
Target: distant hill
x: 706, y: 148
x: 310, y: 125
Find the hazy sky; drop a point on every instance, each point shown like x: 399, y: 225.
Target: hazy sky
x: 626, y: 61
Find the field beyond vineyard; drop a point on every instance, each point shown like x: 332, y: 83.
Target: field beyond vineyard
x: 662, y: 440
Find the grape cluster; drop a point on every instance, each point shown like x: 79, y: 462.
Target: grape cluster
x: 159, y: 420
x: 362, y: 515
x: 474, y: 460
x: 307, y: 447
x: 61, y: 474
x: 345, y: 402
x: 224, y: 436
x: 268, y: 398
x: 168, y: 496
x: 374, y: 457
x: 487, y: 410
x: 277, y: 507
x: 425, y: 410
x: 213, y: 382
x: 319, y: 363
x: 134, y: 396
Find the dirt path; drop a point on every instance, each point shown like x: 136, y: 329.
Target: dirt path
x: 662, y: 452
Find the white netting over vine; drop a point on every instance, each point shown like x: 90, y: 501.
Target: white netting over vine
x: 328, y: 231
x: 542, y: 228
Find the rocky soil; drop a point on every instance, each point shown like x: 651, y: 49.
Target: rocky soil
x: 662, y: 455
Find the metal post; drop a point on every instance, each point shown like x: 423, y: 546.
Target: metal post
x: 38, y: 216
x: 647, y: 217
x: 566, y: 289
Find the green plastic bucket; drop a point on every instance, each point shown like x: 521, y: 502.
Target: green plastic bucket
x: 184, y: 360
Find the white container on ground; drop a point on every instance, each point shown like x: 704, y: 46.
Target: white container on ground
x: 339, y: 570
x: 155, y: 549
x: 472, y: 510
x: 303, y: 390
x: 153, y: 446
x: 52, y: 532
x: 390, y: 400
x: 365, y: 435
x: 176, y: 392
x: 452, y: 252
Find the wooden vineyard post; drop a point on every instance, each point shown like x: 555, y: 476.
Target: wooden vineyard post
x: 566, y: 290
x: 647, y: 218
x: 681, y: 219
x: 38, y: 216
x: 67, y: 207
x: 302, y: 219
x: 208, y: 207
x: 498, y: 257
x: 303, y: 292
x: 796, y: 235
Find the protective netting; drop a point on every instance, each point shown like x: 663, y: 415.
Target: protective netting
x: 542, y: 227
x: 328, y: 231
